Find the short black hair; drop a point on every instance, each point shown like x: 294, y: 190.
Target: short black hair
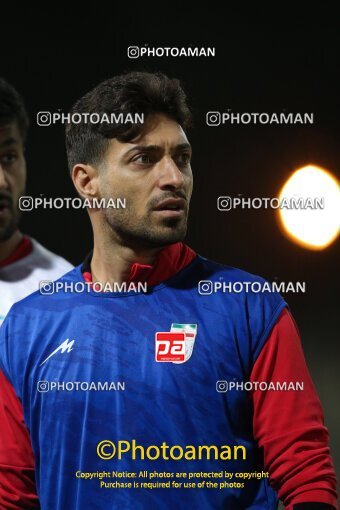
x: 12, y: 108
x: 130, y: 93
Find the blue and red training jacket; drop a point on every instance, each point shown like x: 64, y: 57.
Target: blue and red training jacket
x: 169, y: 393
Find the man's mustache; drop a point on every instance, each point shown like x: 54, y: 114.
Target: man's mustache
x: 167, y: 196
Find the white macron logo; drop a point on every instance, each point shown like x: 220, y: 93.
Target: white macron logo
x: 66, y: 346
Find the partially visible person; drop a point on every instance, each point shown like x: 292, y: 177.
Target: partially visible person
x: 23, y: 261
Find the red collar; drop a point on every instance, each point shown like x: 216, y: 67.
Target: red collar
x: 170, y: 260
x: 23, y: 249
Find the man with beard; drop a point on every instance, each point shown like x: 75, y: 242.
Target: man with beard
x: 23, y: 261
x: 93, y: 380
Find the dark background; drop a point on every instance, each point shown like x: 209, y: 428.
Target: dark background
x: 53, y: 58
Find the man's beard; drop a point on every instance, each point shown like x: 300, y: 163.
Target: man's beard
x: 9, y: 228
x: 140, y: 233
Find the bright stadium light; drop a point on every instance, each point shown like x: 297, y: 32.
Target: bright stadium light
x: 313, y: 221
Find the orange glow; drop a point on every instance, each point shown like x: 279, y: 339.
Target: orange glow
x: 313, y: 227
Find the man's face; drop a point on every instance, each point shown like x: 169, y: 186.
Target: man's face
x: 154, y: 174
x: 12, y: 178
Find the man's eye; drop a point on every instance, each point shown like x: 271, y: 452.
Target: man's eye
x: 7, y: 159
x: 183, y: 159
x: 144, y: 159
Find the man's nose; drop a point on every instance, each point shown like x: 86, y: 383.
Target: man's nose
x: 170, y: 174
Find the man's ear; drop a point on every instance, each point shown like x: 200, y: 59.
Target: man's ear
x: 85, y: 180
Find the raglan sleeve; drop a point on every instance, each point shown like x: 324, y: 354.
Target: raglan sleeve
x: 17, y: 480
x: 289, y: 425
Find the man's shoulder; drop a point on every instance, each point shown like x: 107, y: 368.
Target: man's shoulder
x: 231, y: 273
x: 36, y: 302
x: 43, y: 255
x: 227, y: 283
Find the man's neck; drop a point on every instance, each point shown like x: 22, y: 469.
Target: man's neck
x: 113, y: 263
x: 8, y: 247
